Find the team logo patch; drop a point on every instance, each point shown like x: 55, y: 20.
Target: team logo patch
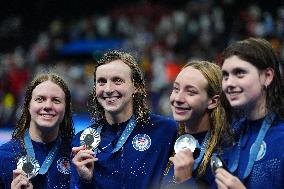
x: 63, y: 165
x: 262, y: 151
x: 141, y: 142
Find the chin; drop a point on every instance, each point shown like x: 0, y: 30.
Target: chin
x: 47, y: 125
x: 180, y: 118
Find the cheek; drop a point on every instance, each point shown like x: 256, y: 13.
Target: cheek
x: 223, y: 85
x: 172, y: 97
x: 34, y: 108
x: 61, y: 109
x: 98, y: 91
x: 254, y: 91
x: 196, y: 101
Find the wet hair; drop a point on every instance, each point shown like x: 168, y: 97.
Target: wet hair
x: 260, y: 54
x: 66, y: 128
x: 140, y: 105
x: 220, y: 116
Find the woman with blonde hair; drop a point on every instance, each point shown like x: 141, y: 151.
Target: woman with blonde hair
x: 198, y: 105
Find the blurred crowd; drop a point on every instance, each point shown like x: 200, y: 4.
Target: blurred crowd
x: 162, y: 38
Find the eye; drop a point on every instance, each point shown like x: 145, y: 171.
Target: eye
x: 240, y: 73
x: 225, y: 75
x: 101, y: 81
x: 175, y: 89
x: 118, y: 81
x: 191, y: 92
x: 57, y: 101
x: 39, y: 99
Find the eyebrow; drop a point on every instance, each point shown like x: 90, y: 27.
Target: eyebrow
x: 186, y: 86
x: 224, y: 72
x: 100, y: 78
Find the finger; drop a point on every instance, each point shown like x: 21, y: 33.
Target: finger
x: 228, y: 179
x: 220, y: 184
x: 223, y: 175
x: 87, y: 161
x: 18, y: 172
x: 19, y: 181
x: 184, y: 154
x: 83, y: 154
x: 75, y: 150
x: 183, y: 159
x: 83, y: 158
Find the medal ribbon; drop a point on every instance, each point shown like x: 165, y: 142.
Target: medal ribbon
x: 266, y: 124
x: 124, y: 136
x: 202, y: 150
x: 236, y: 149
x: 256, y: 145
x: 50, y: 157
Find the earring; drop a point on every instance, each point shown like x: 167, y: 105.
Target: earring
x: 265, y: 87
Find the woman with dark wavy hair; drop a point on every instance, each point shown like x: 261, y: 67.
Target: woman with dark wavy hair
x: 38, y: 154
x: 252, y: 84
x: 127, y: 146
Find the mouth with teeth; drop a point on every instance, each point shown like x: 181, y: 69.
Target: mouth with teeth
x: 111, y: 99
x: 47, y: 116
x: 233, y: 95
x: 181, y: 110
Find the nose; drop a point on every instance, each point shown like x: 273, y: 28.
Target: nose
x: 109, y: 87
x: 179, y: 97
x: 228, y: 82
x: 47, y: 105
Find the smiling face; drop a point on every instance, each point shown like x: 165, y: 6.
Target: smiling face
x: 115, y: 89
x: 189, y: 99
x: 47, y: 106
x: 243, y: 84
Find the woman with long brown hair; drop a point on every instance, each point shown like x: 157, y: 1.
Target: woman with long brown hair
x: 37, y: 156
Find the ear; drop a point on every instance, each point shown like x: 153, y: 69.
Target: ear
x: 213, y: 102
x: 269, y: 75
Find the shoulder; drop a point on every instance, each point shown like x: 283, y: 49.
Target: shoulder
x: 159, y: 119
x: 9, y: 150
x: 10, y: 145
x: 278, y: 127
x: 163, y: 123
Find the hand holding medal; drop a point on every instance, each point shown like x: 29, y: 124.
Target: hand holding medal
x: 216, y: 162
x: 185, y: 147
x: 85, y: 154
x: 29, y: 165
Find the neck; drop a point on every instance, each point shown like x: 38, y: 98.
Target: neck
x: 46, y: 136
x: 198, y: 126
x: 258, y: 110
x: 118, y: 118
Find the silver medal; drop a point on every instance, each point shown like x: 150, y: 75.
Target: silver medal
x: 91, y: 138
x: 215, y: 163
x: 185, y: 141
x: 29, y: 165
